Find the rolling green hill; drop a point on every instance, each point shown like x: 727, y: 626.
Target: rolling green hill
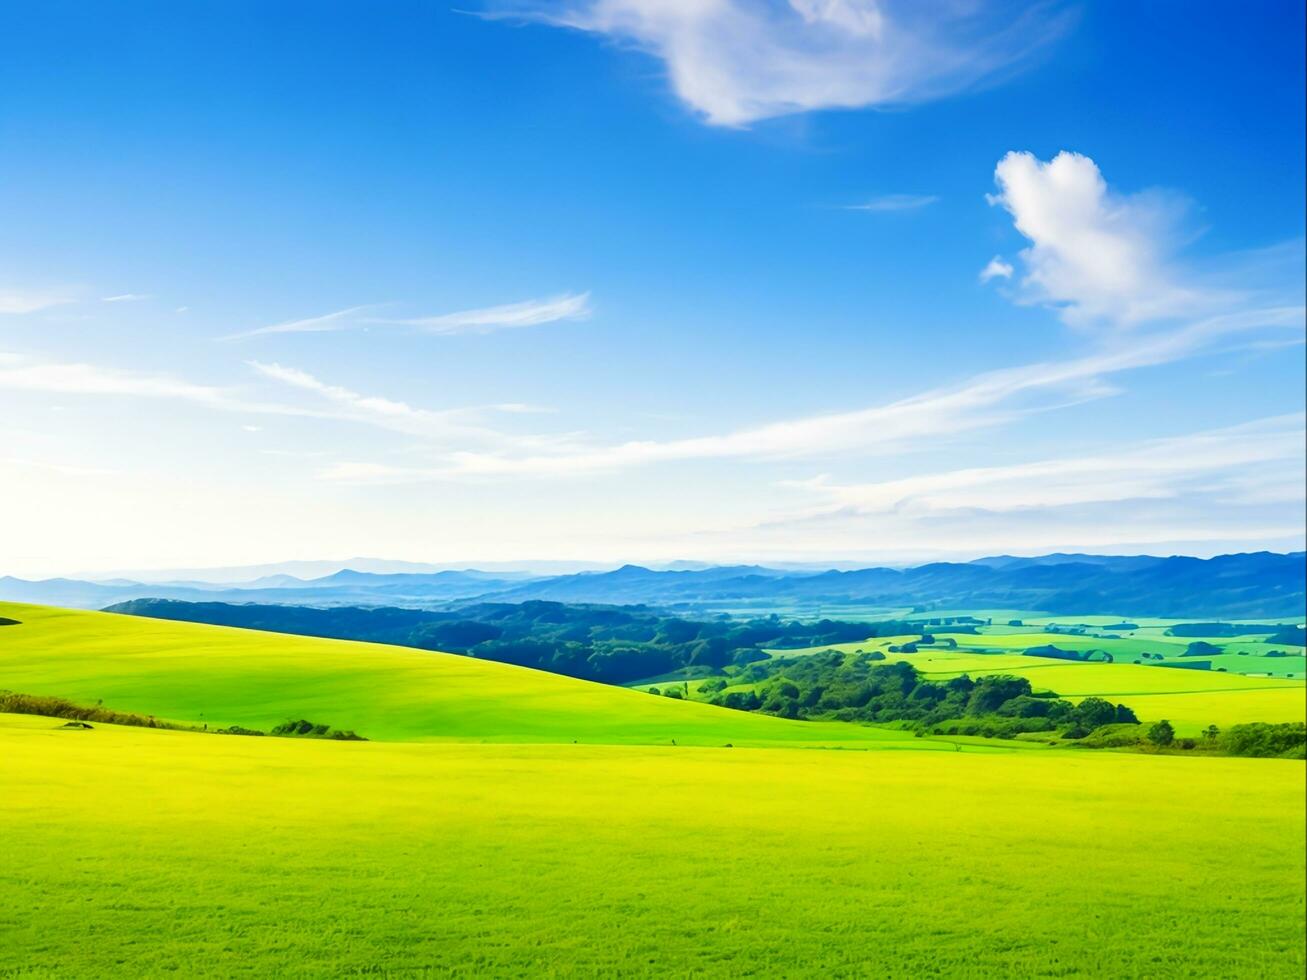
x: 221, y: 676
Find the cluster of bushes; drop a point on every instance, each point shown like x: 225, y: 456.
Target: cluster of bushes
x: 1220, y: 629
x: 297, y: 729
x: 51, y: 707
x: 926, y: 640
x: 1057, y: 653
x: 33, y: 704
x: 1286, y: 740
x: 856, y: 687
x: 611, y: 644
x: 307, y: 729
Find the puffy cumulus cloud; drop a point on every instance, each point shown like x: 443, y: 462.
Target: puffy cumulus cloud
x: 738, y: 61
x: 1096, y: 255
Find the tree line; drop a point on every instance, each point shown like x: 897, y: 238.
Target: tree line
x: 611, y: 644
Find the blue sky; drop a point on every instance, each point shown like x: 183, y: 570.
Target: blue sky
x: 648, y: 279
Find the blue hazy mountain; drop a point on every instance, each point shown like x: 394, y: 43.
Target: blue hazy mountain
x: 1260, y: 584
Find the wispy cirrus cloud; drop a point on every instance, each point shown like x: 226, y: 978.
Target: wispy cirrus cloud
x: 440, y: 430
x: 509, y: 316
x: 1254, y: 461
x: 18, y: 301
x: 125, y: 298
x: 22, y: 373
x: 1240, y: 486
x: 895, y: 202
x: 339, y: 320
x: 738, y: 61
x: 55, y: 467
x: 984, y: 401
x: 488, y: 319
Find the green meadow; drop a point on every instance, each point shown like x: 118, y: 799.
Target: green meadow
x: 1190, y: 699
x: 506, y: 822
x: 221, y: 676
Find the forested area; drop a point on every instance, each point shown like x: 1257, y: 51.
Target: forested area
x: 611, y: 644
x: 860, y: 687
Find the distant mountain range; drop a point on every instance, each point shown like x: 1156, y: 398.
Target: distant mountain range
x: 1258, y: 585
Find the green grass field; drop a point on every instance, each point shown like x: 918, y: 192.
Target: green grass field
x: 474, y: 838
x: 135, y: 852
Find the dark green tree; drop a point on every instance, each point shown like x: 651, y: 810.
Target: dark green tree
x: 1161, y: 733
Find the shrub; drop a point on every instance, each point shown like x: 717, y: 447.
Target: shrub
x: 1094, y: 713
x: 238, y: 730
x: 1161, y: 734
x: 32, y: 704
x: 1287, y: 740
x: 1113, y: 737
x: 303, y: 728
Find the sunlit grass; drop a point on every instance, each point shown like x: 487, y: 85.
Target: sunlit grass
x: 131, y: 852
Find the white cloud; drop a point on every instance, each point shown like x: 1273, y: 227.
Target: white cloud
x: 339, y: 320
x: 366, y: 404
x: 22, y: 373
x: 124, y: 298
x: 16, y: 301
x: 446, y: 430
x: 984, y: 401
x: 25, y: 374
x: 1219, y: 461
x: 737, y: 61
x: 530, y: 313
x: 1096, y: 255
x: 996, y: 269
x: 895, y: 202
x: 56, y: 468
x: 1225, y: 489
x: 454, y: 428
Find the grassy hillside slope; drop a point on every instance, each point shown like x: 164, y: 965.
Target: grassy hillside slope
x: 223, y: 676
x: 131, y: 852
